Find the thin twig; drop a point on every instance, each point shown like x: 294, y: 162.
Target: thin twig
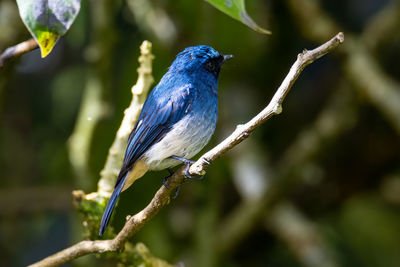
x: 17, y: 50
x: 162, y: 197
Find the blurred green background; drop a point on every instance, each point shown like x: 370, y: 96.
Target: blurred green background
x: 318, y: 185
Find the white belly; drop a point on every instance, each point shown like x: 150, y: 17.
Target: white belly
x: 185, y: 139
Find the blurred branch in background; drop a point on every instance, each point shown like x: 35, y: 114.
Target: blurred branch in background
x: 92, y: 110
x: 154, y: 20
x: 9, y: 23
x: 380, y: 90
x: 301, y: 236
x: 382, y: 27
x: 251, y: 173
x: 95, y: 105
x: 337, y: 117
x: 390, y: 188
x: 361, y: 68
x: 18, y: 50
x: 34, y: 200
x: 162, y: 197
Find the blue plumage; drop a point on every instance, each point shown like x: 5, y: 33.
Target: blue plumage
x: 178, y: 118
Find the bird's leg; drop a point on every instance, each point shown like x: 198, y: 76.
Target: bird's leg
x: 187, y: 162
x: 177, y: 190
x: 170, y: 171
x: 164, y: 180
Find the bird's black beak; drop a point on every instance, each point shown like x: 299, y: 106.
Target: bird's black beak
x: 226, y: 57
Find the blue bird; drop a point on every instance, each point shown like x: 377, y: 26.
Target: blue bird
x: 177, y: 120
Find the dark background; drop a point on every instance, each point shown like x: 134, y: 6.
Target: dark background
x: 318, y: 185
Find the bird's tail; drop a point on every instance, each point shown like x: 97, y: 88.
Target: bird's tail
x: 110, y: 205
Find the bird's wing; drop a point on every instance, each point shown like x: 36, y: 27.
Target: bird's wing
x: 158, y: 116
x: 156, y: 119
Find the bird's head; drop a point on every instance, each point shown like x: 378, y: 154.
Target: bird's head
x: 200, y: 59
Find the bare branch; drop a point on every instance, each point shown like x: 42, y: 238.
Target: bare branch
x: 162, y: 197
x: 273, y: 108
x: 17, y: 50
x: 80, y: 249
x: 133, y: 225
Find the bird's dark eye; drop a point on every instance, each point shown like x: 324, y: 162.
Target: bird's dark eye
x: 213, y: 65
x: 210, y: 66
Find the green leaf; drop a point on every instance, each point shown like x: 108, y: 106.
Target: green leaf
x: 47, y: 20
x: 236, y: 9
